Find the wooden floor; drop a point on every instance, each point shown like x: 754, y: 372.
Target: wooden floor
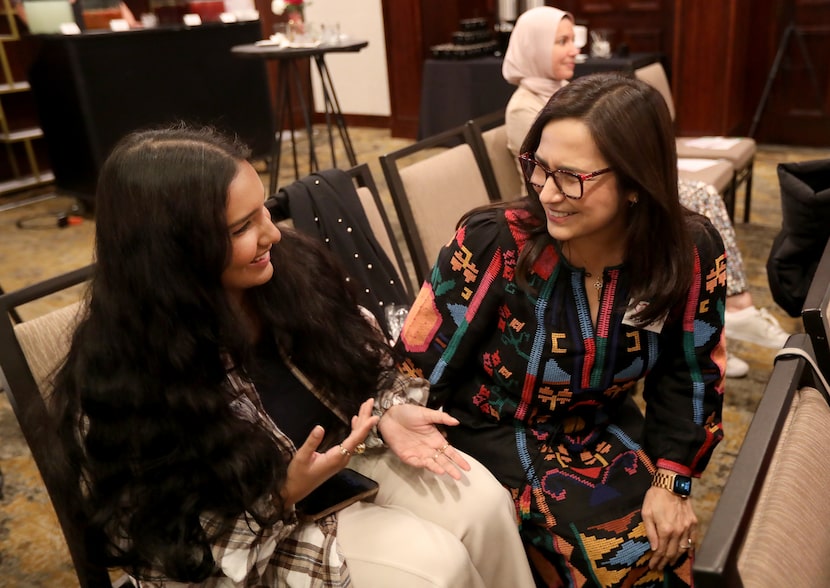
x: 31, y: 548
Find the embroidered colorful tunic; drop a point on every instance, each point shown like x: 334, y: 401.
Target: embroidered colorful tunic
x: 544, y: 395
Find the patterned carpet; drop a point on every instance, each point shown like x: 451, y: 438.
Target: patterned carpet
x: 32, y: 553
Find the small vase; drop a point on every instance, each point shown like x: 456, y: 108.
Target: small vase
x: 296, y: 25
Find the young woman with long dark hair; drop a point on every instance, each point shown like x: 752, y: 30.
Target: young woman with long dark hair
x: 222, y: 371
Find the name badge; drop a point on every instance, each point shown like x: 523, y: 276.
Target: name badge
x: 655, y: 326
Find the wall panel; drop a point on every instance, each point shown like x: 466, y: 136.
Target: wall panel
x: 797, y: 108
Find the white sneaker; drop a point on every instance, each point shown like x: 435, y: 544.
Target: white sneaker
x: 736, y: 367
x: 755, y: 326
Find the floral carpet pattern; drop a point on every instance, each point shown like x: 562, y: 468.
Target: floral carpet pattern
x: 32, y: 552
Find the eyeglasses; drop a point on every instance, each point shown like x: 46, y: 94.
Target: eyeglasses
x: 570, y: 183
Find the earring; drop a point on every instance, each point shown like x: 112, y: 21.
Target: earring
x: 632, y: 203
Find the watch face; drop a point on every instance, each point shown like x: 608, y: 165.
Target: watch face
x: 682, y: 485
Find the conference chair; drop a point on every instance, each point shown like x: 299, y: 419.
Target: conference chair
x: 489, y: 135
x: 739, y: 152
x: 717, y: 172
x: 432, y: 187
x: 770, y: 526
x: 30, y: 351
x: 342, y: 209
x: 379, y: 221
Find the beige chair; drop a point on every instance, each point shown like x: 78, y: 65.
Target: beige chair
x: 30, y: 351
x: 367, y: 191
x: 718, y: 173
x: 740, y: 152
x: 342, y: 210
x: 771, y: 527
x: 432, y: 187
x: 490, y: 136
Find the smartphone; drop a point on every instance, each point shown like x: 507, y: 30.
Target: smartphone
x: 342, y: 489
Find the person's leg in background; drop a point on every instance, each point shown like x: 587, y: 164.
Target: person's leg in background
x: 744, y: 321
x: 476, y: 509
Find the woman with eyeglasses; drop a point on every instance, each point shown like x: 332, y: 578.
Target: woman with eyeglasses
x: 543, y: 317
x: 539, y: 60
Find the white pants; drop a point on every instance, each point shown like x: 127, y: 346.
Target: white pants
x: 424, y: 530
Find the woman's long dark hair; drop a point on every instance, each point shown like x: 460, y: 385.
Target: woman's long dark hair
x: 312, y: 310
x: 631, y: 126
x: 143, y: 400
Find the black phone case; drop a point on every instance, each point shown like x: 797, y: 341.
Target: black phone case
x: 342, y: 489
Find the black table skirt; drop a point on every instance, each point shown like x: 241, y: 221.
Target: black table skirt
x: 455, y: 91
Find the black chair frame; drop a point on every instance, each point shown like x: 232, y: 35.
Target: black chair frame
x: 815, y: 313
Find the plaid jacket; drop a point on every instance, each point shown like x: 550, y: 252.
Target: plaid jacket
x: 291, y: 553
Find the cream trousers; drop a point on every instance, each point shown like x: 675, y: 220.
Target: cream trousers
x: 424, y: 530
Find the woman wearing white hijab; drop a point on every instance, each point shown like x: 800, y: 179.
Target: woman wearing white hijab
x: 539, y: 69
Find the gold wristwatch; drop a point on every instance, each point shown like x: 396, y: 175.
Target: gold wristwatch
x: 680, y: 485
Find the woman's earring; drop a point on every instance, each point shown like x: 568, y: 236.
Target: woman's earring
x: 633, y: 201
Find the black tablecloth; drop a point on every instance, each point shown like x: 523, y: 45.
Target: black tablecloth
x: 455, y: 91
x: 615, y: 63
x: 92, y: 89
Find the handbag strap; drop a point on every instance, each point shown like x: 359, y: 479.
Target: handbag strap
x: 797, y: 351
x: 309, y: 385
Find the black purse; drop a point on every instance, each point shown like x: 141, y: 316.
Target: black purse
x: 805, y: 229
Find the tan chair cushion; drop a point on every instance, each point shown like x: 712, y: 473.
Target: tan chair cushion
x: 505, y: 166
x: 788, y: 540
x: 740, y: 155
x: 376, y: 223
x: 440, y: 189
x: 719, y: 175
x: 654, y: 75
x: 45, y: 342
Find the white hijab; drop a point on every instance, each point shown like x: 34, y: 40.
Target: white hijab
x: 528, y: 61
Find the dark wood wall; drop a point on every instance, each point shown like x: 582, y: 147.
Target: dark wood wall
x: 710, y: 68
x: 797, y: 111
x: 640, y: 25
x: 718, y: 53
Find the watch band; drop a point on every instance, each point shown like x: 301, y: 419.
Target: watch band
x: 674, y: 483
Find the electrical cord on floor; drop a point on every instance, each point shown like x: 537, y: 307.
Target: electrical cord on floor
x: 51, y: 220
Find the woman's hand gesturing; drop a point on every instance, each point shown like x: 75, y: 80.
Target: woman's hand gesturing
x: 309, y: 468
